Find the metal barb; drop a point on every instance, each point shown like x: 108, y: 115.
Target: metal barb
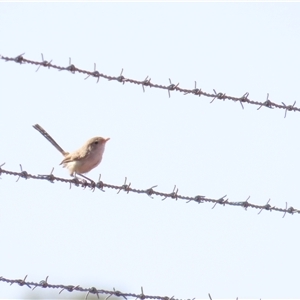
x: 285, y: 210
x: 150, y: 191
x: 172, y: 87
x: 19, y: 59
x: 214, y: 97
x: 70, y: 68
x: 69, y: 288
x: 142, y: 296
x: 94, y: 74
x: 244, y: 98
x: 145, y: 82
x: 44, y: 63
x: 23, y: 174
x: 100, y: 184
x: 267, y: 103
x: 266, y: 207
x: 42, y: 283
x: 195, y: 91
x: 121, y: 78
x: 75, y: 181
x: 172, y: 195
x: 51, y: 178
x: 22, y: 282
x: 125, y: 187
x: 108, y: 296
x: 199, y: 199
x: 291, y: 210
x: 220, y: 201
x: 93, y: 290
x: 288, y: 107
x: 221, y: 96
x: 245, y: 204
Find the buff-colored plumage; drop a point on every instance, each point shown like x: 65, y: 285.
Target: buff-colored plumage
x: 82, y: 160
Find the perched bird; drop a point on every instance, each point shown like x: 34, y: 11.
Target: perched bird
x: 82, y: 160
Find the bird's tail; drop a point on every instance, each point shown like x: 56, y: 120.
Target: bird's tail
x: 43, y: 132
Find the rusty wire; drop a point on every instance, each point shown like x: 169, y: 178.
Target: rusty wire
x: 150, y: 191
x: 147, y: 82
x: 88, y: 291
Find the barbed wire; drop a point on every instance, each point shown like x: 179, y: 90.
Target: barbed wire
x: 150, y: 191
x: 127, y: 187
x: 91, y: 290
x: 147, y: 82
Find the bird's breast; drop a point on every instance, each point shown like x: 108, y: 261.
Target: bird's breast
x: 91, y: 160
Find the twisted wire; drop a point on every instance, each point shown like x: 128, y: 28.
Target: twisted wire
x: 91, y: 290
x: 147, y: 82
x: 150, y: 191
x: 127, y: 187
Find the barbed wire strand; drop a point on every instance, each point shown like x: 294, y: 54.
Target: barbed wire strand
x: 150, y: 191
x: 88, y: 291
x: 147, y: 82
x: 126, y: 187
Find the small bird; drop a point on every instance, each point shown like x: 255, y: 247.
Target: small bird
x: 82, y: 160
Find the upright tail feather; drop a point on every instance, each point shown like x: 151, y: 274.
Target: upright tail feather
x: 42, y: 131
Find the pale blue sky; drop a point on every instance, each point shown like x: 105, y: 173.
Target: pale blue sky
x: 124, y: 240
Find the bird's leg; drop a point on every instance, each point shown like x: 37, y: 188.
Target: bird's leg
x: 92, y: 181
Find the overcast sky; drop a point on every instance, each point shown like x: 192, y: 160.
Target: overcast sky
x: 126, y: 241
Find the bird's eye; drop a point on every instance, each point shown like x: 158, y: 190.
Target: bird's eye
x: 96, y: 143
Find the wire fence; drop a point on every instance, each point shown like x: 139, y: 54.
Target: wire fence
x: 92, y: 290
x: 147, y: 82
x: 86, y: 183
x: 88, y: 291
x: 150, y: 191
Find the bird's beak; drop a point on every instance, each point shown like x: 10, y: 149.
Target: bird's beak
x: 107, y: 139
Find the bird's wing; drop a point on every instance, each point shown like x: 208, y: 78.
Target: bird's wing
x: 75, y: 156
